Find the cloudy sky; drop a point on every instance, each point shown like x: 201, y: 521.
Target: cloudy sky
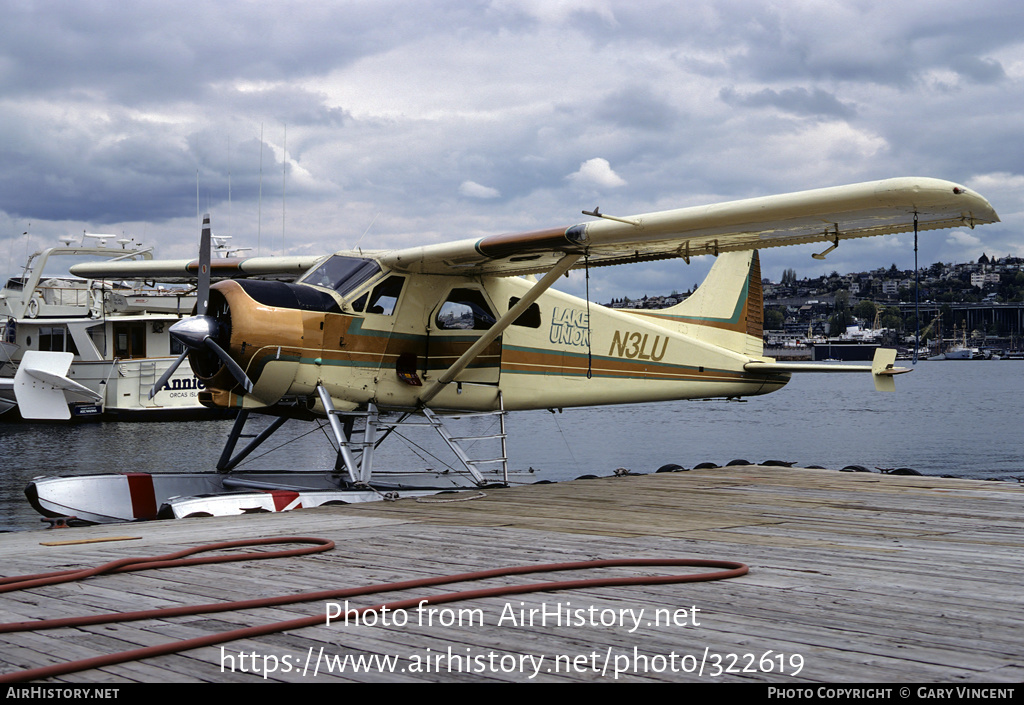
x: 387, y: 124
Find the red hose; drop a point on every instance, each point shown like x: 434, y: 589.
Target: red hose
x: 731, y: 570
x: 127, y: 565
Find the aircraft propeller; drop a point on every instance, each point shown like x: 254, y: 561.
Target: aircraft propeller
x: 199, y: 331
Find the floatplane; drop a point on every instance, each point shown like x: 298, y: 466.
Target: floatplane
x: 372, y: 340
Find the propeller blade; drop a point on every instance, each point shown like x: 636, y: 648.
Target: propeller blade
x: 233, y: 366
x: 167, y: 375
x: 203, y: 288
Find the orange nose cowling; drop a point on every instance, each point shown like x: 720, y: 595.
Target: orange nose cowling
x: 251, y: 332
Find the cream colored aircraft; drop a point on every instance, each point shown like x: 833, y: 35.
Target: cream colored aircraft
x: 475, y: 325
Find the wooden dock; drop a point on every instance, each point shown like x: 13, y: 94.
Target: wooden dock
x: 853, y: 577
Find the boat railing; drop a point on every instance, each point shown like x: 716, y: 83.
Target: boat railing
x: 63, y: 295
x: 51, y: 301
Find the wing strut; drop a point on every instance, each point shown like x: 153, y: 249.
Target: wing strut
x: 499, y: 326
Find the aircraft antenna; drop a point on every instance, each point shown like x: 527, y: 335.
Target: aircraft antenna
x: 366, y: 231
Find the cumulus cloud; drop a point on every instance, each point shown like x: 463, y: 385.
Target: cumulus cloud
x: 472, y: 189
x: 961, y: 246
x: 596, y: 172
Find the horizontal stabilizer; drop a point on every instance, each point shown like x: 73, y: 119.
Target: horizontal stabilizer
x: 40, y: 383
x: 882, y: 368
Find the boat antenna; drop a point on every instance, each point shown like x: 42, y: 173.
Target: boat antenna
x: 10, y: 256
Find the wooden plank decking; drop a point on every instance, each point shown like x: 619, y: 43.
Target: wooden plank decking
x: 853, y: 577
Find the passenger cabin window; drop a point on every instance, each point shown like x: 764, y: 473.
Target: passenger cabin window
x: 343, y: 274
x: 465, y: 309
x: 383, y: 299
x: 530, y: 318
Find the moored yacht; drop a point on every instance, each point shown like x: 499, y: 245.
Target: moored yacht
x: 114, y: 335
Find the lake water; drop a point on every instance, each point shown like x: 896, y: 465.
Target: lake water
x: 946, y: 418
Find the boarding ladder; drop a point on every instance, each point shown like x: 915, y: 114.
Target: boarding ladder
x: 455, y: 442
x: 356, y: 445
x: 147, y: 378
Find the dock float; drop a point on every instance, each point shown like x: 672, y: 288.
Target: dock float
x: 853, y: 578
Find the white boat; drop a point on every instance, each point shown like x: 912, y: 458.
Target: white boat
x: 119, y: 497
x: 116, y: 334
x: 959, y: 352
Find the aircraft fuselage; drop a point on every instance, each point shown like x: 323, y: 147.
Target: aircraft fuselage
x: 394, y: 334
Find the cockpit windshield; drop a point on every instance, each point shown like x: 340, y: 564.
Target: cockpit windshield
x: 343, y: 274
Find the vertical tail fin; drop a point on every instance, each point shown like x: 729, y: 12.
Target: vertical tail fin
x: 728, y: 307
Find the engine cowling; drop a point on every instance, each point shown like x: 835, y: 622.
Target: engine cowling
x: 266, y: 327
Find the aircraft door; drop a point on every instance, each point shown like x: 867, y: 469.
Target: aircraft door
x: 455, y: 324
x: 369, y: 341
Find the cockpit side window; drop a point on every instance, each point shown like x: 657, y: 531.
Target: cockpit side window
x: 465, y: 309
x: 343, y: 274
x: 383, y: 299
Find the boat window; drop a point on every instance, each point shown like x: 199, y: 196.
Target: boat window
x: 343, y: 274
x: 383, y: 298
x: 98, y: 337
x: 129, y: 340
x: 51, y: 339
x: 465, y: 309
x: 56, y: 339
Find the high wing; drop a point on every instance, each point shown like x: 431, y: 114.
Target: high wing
x: 822, y: 215
x: 185, y: 270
